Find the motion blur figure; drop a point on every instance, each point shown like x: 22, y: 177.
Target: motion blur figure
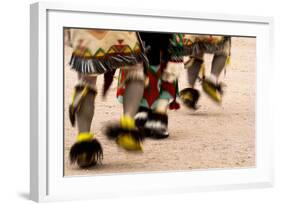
x: 165, y: 55
x: 96, y: 52
x: 196, y: 46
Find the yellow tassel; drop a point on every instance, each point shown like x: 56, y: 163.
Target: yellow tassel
x: 73, y: 96
x: 127, y: 122
x: 212, y: 92
x: 228, y: 60
x: 202, y: 70
x: 84, y: 136
x: 129, y: 143
x: 84, y: 93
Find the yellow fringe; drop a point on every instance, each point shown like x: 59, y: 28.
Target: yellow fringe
x: 84, y: 136
x: 127, y: 122
x: 129, y: 143
x: 212, y: 92
x: 228, y: 60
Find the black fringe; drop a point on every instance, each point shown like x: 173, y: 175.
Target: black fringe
x: 157, y: 133
x: 107, y: 81
x: 195, y: 97
x: 102, y: 65
x: 112, y: 131
x: 92, y: 149
x: 140, y: 122
x: 163, y: 118
x: 198, y: 47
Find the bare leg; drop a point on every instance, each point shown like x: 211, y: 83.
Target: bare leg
x: 218, y: 65
x: 190, y: 95
x: 211, y: 85
x: 134, y: 90
x: 219, y: 61
x: 87, y: 151
x: 86, y: 112
x: 193, y: 68
x: 126, y: 134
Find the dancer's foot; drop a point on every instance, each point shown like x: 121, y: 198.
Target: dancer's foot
x: 189, y: 97
x: 156, y: 126
x: 126, y: 134
x: 142, y: 116
x: 213, y: 90
x: 86, y: 151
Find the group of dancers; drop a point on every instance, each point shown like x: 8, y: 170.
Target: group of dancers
x: 149, y: 65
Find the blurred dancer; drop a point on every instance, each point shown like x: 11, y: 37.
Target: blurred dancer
x: 165, y: 56
x: 196, y: 46
x: 96, y: 52
x: 161, y: 93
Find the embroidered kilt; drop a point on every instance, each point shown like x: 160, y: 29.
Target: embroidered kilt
x: 99, y: 51
x: 196, y: 45
x: 160, y: 49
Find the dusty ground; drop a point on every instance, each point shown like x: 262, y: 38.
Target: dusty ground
x: 212, y: 137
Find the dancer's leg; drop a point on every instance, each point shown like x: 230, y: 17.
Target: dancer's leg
x: 190, y: 95
x: 134, y: 90
x: 157, y: 124
x: 211, y: 85
x: 193, y: 68
x: 126, y: 134
x: 87, y: 151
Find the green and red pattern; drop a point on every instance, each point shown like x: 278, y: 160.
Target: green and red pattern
x: 155, y: 90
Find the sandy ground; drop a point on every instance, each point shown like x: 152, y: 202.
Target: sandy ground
x: 212, y: 137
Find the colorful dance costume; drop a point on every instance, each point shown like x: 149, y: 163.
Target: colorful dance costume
x: 96, y: 52
x: 152, y: 115
x: 165, y: 55
x: 196, y: 46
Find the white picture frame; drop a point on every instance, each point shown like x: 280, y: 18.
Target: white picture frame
x: 47, y: 182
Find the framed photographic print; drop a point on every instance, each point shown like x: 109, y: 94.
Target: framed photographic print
x: 131, y: 102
